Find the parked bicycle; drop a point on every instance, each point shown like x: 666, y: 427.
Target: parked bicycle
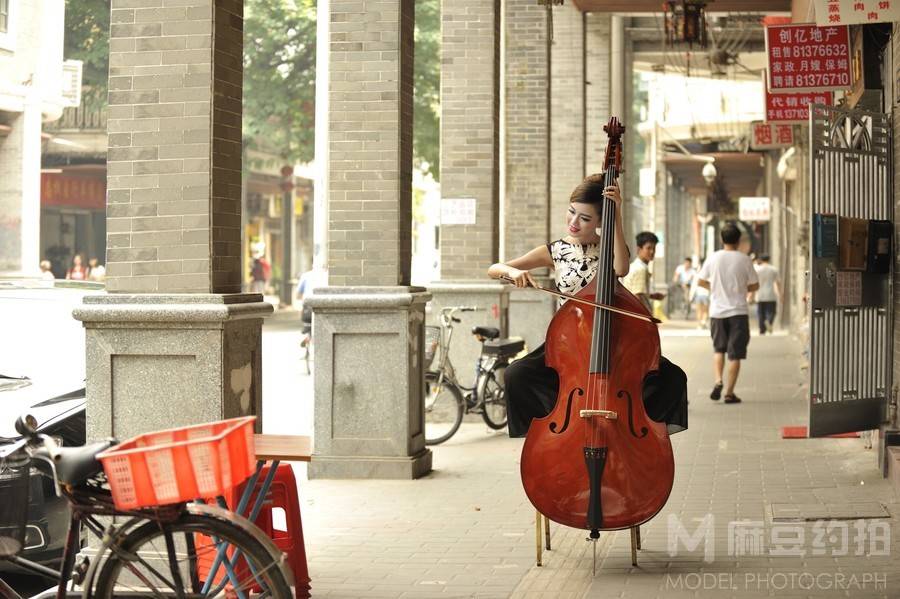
x: 306, y: 338
x: 164, y: 551
x: 447, y: 400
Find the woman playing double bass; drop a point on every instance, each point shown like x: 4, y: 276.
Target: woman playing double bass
x: 596, y: 402
x: 531, y: 386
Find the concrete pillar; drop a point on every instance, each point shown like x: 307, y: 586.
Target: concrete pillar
x: 369, y: 323
x: 20, y: 194
x: 175, y: 342
x: 470, y: 149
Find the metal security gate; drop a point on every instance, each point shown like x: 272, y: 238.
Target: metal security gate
x: 850, y: 270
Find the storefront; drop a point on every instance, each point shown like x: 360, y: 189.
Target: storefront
x: 73, y: 216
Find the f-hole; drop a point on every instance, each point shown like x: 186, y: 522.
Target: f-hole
x: 553, y: 425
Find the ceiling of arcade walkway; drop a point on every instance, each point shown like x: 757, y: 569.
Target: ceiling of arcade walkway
x: 734, y: 56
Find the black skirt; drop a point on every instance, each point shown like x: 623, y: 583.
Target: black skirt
x: 532, y: 387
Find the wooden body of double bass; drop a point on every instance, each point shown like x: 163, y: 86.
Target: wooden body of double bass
x: 639, y: 467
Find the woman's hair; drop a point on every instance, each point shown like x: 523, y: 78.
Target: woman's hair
x: 589, y: 191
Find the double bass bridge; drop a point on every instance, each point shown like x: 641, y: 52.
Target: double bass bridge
x: 608, y: 414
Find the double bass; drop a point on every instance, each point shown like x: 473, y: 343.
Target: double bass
x: 598, y: 462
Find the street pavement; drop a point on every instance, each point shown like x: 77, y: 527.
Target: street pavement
x: 742, y: 499
x: 467, y: 529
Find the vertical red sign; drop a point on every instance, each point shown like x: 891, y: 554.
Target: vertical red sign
x: 807, y: 57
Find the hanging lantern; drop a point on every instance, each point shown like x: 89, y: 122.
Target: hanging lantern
x: 685, y: 22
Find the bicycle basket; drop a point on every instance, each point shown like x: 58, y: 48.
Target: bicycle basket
x: 14, y: 471
x: 432, y: 339
x: 178, y: 465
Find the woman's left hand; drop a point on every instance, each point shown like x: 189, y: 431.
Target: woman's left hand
x: 612, y: 192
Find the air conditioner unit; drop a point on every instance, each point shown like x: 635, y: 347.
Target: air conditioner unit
x: 71, y: 82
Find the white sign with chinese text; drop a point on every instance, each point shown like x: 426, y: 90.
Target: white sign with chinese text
x: 855, y: 12
x: 754, y: 209
x: 457, y: 211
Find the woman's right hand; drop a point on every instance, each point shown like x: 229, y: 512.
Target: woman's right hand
x: 521, y: 278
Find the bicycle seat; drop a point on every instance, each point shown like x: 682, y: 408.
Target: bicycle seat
x: 74, y: 465
x: 486, y: 332
x: 504, y: 347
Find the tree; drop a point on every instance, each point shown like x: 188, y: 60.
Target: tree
x: 280, y: 77
x: 427, y: 87
x: 87, y: 39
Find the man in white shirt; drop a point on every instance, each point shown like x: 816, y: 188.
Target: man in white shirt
x: 684, y: 276
x: 768, y: 294
x: 637, y: 281
x: 729, y: 276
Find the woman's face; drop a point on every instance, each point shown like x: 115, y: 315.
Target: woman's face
x: 76, y: 260
x: 583, y: 221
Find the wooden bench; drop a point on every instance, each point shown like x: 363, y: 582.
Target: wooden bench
x: 291, y: 448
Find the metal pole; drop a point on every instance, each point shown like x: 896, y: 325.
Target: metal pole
x: 287, y: 234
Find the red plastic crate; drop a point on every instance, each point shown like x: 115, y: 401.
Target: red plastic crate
x: 171, y: 466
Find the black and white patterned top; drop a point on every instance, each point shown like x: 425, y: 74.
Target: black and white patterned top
x: 574, y: 265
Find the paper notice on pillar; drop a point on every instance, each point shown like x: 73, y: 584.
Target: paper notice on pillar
x: 849, y: 288
x: 855, y: 12
x: 457, y: 211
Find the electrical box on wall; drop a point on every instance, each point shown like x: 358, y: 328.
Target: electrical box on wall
x: 851, y: 261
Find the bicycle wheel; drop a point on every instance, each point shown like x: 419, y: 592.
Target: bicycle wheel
x: 176, y: 559
x: 443, y: 409
x: 492, y: 389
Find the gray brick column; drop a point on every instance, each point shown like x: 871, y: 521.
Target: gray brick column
x: 568, y: 122
x: 370, y: 142
x: 527, y: 160
x: 174, y: 160
x: 470, y: 168
x: 526, y: 217
x: 175, y: 341
x: 470, y: 133
x: 598, y: 108
x: 369, y: 323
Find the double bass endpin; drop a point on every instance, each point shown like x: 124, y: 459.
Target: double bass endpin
x: 603, y: 413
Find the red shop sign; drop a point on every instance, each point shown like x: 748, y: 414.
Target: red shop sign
x: 768, y: 136
x: 807, y: 57
x: 73, y: 191
x: 794, y: 107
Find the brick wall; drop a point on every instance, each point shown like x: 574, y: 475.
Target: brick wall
x: 568, y: 104
x: 174, y: 128
x: 527, y: 167
x: 598, y: 89
x: 470, y: 135
x: 370, y: 142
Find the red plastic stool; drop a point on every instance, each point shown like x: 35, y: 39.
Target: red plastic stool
x: 282, y: 494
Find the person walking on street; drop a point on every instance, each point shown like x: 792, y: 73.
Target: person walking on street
x: 684, y: 275
x: 729, y: 275
x: 768, y: 295
x: 638, y: 280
